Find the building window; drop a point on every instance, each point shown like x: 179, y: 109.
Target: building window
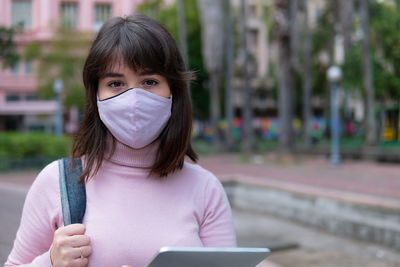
x: 28, y: 67
x: 21, y: 13
x: 13, y: 97
x: 69, y: 17
x: 102, y: 12
x: 31, y: 97
x: 15, y: 69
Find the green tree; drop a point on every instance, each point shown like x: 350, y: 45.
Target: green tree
x: 63, y: 57
x: 385, y: 24
x: 8, y: 53
x: 385, y: 43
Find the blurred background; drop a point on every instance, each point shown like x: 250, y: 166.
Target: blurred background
x: 296, y: 109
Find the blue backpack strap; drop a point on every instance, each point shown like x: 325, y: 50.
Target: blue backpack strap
x: 72, y: 194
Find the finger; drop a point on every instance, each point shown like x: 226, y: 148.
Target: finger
x: 84, y: 251
x: 72, y: 229
x: 78, y: 240
x: 80, y: 262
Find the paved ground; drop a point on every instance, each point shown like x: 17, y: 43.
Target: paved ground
x: 11, y: 202
x: 359, y: 181
x: 377, y: 184
x: 315, y: 248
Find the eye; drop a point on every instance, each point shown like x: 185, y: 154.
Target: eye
x: 116, y: 84
x: 150, y: 83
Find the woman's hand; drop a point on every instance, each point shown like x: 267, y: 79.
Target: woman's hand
x: 70, y: 246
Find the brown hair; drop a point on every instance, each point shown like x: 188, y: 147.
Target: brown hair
x: 141, y: 43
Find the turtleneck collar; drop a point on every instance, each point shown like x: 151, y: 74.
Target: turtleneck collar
x: 127, y: 156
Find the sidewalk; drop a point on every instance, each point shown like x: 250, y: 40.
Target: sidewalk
x: 369, y: 183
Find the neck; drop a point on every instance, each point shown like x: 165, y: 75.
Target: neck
x: 127, y: 156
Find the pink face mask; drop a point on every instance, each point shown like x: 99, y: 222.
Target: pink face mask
x: 135, y: 117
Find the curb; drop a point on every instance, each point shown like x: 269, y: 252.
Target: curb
x: 362, y: 217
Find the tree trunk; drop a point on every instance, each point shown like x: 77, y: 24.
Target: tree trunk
x: 183, y: 34
x: 229, y: 60
x: 346, y: 21
x: 247, y: 105
x: 182, y: 29
x: 307, y: 109
x: 285, y: 76
x: 212, y: 29
x: 215, y: 107
x: 346, y: 18
x: 294, y: 36
x: 370, y: 123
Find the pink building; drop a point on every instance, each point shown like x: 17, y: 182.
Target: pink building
x: 20, y: 108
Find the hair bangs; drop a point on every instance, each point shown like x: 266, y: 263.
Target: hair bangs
x: 141, y: 49
x: 135, y: 47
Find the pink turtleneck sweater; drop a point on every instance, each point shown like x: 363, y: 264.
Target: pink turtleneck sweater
x: 129, y: 215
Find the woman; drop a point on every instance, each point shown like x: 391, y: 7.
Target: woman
x: 141, y: 195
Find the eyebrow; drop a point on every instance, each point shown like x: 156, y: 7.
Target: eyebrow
x: 112, y: 75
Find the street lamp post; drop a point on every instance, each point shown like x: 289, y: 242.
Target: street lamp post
x: 57, y: 88
x: 334, y: 75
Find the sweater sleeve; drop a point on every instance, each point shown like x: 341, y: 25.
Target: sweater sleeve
x: 216, y: 229
x: 40, y: 218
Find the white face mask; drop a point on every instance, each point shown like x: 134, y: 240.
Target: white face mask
x: 135, y: 117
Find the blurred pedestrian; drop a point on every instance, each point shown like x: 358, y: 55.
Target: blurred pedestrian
x: 141, y: 194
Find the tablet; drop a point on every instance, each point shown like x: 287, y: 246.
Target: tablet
x: 208, y: 257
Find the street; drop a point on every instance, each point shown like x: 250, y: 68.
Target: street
x: 295, y: 245
x: 11, y: 203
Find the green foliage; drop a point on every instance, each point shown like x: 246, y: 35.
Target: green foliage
x: 386, y: 83
x: 323, y: 35
x: 385, y: 23
x: 168, y: 16
x: 352, y: 68
x: 34, y: 150
x: 385, y: 46
x: 32, y: 51
x: 205, y: 148
x: 321, y: 40
x: 21, y: 145
x: 8, y: 53
x: 62, y: 58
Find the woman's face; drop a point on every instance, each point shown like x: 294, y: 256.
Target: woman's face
x: 121, y: 78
